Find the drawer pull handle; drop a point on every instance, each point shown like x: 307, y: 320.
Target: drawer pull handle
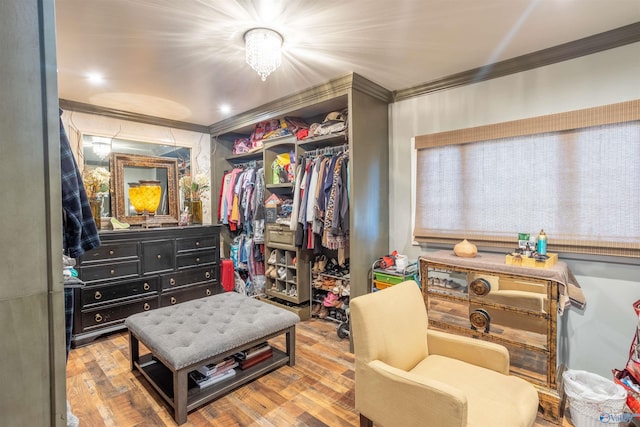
x: 146, y: 306
x: 112, y: 272
x: 208, y: 292
x: 97, y: 295
x: 110, y: 252
x: 158, y: 256
x: 146, y: 286
x: 207, y: 275
x: 173, y: 300
x: 172, y: 281
x: 197, y: 259
x: 197, y: 243
x: 98, y: 317
x: 480, y: 319
x: 480, y: 286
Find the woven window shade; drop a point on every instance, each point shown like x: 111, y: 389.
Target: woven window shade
x: 576, y: 174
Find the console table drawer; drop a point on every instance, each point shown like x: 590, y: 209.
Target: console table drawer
x: 111, y: 252
x: 115, y: 270
x: 193, y: 243
x: 196, y: 259
x: 192, y: 292
x: 92, y: 295
x: 187, y: 277
x: 116, y: 313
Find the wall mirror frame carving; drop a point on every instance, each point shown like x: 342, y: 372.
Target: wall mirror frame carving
x: 120, y: 164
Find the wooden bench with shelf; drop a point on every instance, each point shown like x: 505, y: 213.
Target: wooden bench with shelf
x: 184, y: 337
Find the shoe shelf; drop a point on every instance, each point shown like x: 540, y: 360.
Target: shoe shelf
x: 285, y: 277
x: 330, y: 290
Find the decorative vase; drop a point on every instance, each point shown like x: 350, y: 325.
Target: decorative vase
x: 195, y: 210
x: 96, y: 207
x: 465, y: 249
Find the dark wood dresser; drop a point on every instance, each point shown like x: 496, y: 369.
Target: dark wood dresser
x: 142, y: 269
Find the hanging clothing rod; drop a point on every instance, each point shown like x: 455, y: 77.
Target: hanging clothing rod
x: 327, y: 150
x: 246, y: 165
x: 249, y: 164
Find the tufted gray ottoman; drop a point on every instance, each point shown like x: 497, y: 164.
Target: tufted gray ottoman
x: 184, y: 336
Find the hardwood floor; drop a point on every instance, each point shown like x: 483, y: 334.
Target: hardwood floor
x: 317, y: 391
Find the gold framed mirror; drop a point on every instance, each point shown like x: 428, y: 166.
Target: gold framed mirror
x: 129, y: 169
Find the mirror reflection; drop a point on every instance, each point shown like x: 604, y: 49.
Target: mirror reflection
x: 96, y: 153
x: 143, y: 188
x: 137, y: 200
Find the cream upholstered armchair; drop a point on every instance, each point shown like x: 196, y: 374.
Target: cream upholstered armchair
x: 407, y: 375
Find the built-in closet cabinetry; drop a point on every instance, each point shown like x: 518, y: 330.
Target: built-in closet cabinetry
x: 367, y: 141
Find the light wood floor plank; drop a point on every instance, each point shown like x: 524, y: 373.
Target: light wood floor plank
x: 317, y: 392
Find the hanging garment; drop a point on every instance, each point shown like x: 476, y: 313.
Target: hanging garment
x: 80, y: 232
x: 296, y: 198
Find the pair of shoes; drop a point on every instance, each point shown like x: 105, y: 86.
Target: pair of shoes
x: 319, y: 264
x: 293, y: 291
x: 330, y: 299
x: 270, y: 272
x: 324, y: 312
x: 272, y: 258
x: 282, y: 273
x: 346, y: 290
x: 315, y: 310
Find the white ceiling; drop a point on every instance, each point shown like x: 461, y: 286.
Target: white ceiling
x: 183, y: 59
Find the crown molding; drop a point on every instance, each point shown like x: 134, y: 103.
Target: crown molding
x: 586, y: 46
x: 80, y: 107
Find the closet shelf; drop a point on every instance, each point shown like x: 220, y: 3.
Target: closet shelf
x: 253, y: 155
x: 323, y: 140
x: 285, y: 139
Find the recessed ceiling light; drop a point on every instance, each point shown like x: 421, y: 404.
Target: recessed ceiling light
x: 95, y: 78
x: 225, y: 109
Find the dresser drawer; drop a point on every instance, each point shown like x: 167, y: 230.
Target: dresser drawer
x: 115, y: 313
x: 187, y: 277
x: 187, y: 294
x: 194, y: 259
x: 193, y: 243
x: 510, y: 325
x: 111, y: 252
x: 517, y: 293
x: 280, y: 235
x: 92, y: 295
x: 115, y: 270
x: 158, y: 256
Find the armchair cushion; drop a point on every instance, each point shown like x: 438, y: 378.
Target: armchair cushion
x: 394, y: 397
x: 493, y: 399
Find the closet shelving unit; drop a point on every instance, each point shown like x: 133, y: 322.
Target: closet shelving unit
x: 367, y: 140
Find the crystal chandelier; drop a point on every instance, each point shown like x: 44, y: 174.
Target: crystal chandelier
x: 101, y: 146
x: 263, y: 50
